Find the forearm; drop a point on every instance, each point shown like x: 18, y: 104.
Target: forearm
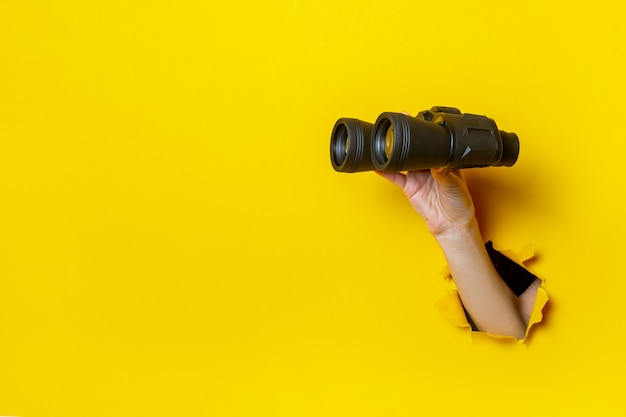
x: 489, y: 301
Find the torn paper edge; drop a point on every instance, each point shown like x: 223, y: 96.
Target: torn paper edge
x: 451, y: 308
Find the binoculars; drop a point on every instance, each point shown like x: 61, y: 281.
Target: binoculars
x: 435, y: 138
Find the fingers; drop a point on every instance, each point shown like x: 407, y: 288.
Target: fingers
x: 397, y: 178
x: 450, y: 180
x: 440, y: 172
x: 447, y: 176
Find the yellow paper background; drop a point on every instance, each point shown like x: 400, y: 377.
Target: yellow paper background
x: 174, y: 241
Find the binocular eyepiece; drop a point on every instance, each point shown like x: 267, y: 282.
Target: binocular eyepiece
x: 435, y: 138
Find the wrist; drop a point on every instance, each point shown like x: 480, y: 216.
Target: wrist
x: 460, y: 237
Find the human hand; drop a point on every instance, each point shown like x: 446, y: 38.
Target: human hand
x: 439, y: 195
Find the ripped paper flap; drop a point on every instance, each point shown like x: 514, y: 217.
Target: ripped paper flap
x: 452, y: 309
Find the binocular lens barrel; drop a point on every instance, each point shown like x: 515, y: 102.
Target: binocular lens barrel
x: 510, y: 149
x: 440, y: 137
x: 405, y: 143
x: 350, y: 146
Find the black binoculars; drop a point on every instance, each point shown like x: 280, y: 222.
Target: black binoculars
x: 435, y: 138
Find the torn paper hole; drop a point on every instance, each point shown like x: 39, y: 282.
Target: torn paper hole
x: 510, y: 266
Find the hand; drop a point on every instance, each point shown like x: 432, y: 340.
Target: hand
x: 439, y: 195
